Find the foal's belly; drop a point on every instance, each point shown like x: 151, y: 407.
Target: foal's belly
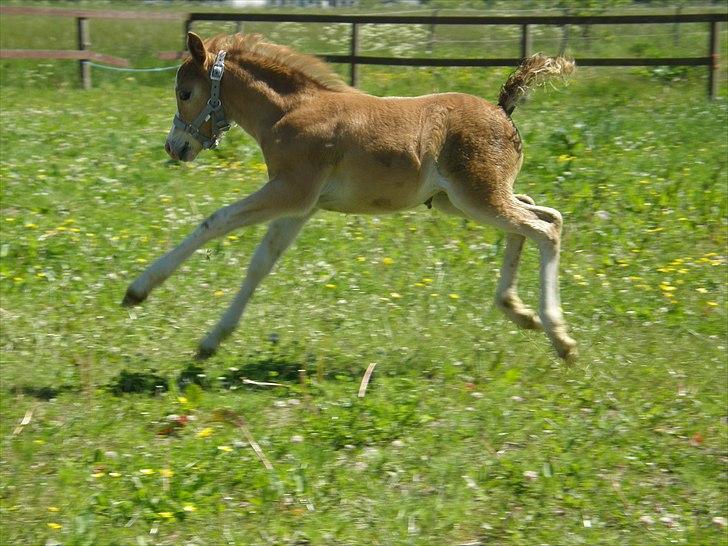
x: 375, y: 190
x: 376, y: 194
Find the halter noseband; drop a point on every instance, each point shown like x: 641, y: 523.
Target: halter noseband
x: 212, y: 110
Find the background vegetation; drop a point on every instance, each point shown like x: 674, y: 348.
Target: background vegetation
x: 471, y: 431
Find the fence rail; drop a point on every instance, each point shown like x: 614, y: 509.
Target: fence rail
x: 354, y: 59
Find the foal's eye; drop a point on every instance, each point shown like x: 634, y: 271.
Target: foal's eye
x: 184, y: 95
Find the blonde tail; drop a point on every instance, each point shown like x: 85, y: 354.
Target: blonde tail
x: 533, y: 71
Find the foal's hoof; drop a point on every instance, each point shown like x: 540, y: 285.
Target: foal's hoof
x: 567, y: 350
x: 132, y: 298
x: 205, y: 352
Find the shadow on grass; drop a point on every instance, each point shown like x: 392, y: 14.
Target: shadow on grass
x: 43, y: 393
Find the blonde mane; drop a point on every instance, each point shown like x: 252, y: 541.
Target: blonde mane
x: 253, y: 47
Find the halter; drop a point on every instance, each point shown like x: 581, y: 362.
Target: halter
x: 212, y: 111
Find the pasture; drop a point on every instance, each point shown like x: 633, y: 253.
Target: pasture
x: 471, y: 431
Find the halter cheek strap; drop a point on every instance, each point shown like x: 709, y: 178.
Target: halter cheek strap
x: 213, y: 110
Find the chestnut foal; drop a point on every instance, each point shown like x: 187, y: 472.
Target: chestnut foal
x: 329, y: 146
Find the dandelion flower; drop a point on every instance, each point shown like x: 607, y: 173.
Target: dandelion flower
x: 218, y: 293
x: 712, y: 303
x: 166, y: 515
x: 53, y: 509
x: 330, y: 286
x: 166, y: 473
x: 182, y: 399
x: 55, y: 526
x: 189, y: 508
x: 225, y: 449
x: 146, y: 471
x: 205, y: 432
x: 387, y: 261
x: 454, y: 296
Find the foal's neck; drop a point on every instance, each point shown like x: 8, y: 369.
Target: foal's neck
x: 254, y: 104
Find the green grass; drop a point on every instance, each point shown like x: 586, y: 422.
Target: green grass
x: 470, y: 430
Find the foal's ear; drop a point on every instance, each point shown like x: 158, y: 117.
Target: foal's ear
x: 196, y: 47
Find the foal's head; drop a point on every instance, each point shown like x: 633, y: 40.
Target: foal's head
x: 192, y: 129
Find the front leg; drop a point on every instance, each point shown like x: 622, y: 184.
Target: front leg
x: 280, y: 235
x: 274, y: 200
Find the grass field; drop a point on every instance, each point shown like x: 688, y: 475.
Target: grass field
x: 470, y: 432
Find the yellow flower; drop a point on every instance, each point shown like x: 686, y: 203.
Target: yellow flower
x: 166, y: 473
x: 205, y: 432
x: 182, y: 399
x: 361, y: 259
x: 53, y: 509
x: 97, y: 474
x: 427, y: 280
x: 701, y: 290
x: 146, y: 471
x: 218, y: 293
x: 54, y: 526
x: 665, y: 287
x: 166, y: 515
x: 330, y: 286
x: 226, y: 449
x: 454, y: 296
x: 189, y: 508
x: 712, y: 303
x: 395, y: 295
x: 31, y: 225
x: 387, y: 261
x: 114, y: 474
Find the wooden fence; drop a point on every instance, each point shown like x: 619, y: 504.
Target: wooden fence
x: 83, y: 33
x: 354, y: 59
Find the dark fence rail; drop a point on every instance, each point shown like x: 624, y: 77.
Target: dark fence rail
x: 354, y: 59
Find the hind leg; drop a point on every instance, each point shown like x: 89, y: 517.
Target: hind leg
x: 506, y: 298
x: 521, y: 220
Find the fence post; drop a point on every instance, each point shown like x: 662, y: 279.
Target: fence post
x: 525, y: 41
x: 84, y: 42
x: 713, y: 66
x: 188, y: 28
x: 354, y: 51
x: 431, y: 38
